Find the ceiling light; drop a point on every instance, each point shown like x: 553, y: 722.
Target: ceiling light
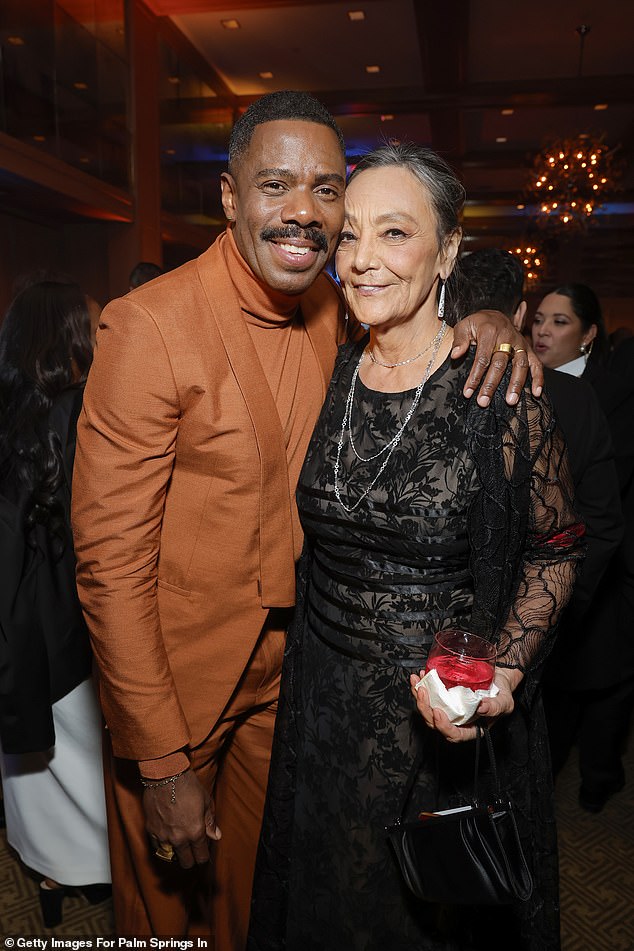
x: 373, y: 69
x: 266, y: 75
x: 533, y: 262
x: 520, y: 207
x: 601, y: 106
x: 80, y: 85
x: 84, y: 160
x: 508, y: 112
x: 387, y: 117
x: 580, y: 174
x: 15, y: 40
x: 356, y: 15
x: 170, y: 151
x: 230, y: 24
x: 501, y: 138
x: 174, y: 80
x: 39, y: 138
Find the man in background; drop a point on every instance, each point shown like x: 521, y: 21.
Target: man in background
x: 143, y: 272
x: 495, y: 279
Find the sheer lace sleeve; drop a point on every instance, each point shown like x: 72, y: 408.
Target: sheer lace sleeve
x: 526, y: 538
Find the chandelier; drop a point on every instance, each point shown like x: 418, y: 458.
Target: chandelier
x: 533, y: 262
x: 570, y: 181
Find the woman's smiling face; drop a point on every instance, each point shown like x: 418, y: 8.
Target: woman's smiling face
x: 389, y: 257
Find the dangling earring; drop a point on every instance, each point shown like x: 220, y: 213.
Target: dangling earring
x: 441, y: 302
x: 586, y: 348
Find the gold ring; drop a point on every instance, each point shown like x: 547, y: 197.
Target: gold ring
x: 504, y: 348
x: 165, y: 852
x: 520, y: 350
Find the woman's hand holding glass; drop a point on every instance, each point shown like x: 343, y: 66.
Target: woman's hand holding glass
x: 490, y: 708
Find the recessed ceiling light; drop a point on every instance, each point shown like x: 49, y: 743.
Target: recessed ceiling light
x: 501, y: 138
x: 15, y: 40
x: 170, y: 151
x: 373, y: 69
x: 356, y: 15
x: 230, y: 24
x: 601, y: 106
x: 508, y: 112
x: 39, y: 138
x: 84, y: 160
x: 520, y: 207
x: 387, y: 117
x: 80, y: 85
x: 266, y: 75
x: 174, y: 80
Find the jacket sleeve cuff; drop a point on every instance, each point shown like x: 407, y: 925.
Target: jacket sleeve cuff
x: 164, y: 766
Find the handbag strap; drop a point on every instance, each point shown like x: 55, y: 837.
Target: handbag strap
x: 492, y: 761
x: 409, y: 786
x: 413, y: 774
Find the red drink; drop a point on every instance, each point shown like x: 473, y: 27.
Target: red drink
x: 462, y: 659
x: 462, y: 671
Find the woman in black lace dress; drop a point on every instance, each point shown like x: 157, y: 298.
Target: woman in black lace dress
x: 421, y: 511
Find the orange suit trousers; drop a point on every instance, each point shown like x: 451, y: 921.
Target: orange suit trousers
x: 154, y: 898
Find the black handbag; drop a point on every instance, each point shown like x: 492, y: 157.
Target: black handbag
x: 466, y: 856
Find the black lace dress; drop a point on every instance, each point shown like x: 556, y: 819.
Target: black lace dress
x: 380, y: 580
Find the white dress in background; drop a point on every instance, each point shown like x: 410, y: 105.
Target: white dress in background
x: 54, y: 801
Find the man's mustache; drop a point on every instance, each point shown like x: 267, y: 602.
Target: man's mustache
x: 314, y: 235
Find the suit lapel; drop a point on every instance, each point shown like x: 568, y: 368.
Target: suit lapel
x: 276, y: 546
x: 317, y: 312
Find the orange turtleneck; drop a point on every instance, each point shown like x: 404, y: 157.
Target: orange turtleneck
x: 289, y: 362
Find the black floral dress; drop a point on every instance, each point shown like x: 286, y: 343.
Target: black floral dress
x: 381, y: 580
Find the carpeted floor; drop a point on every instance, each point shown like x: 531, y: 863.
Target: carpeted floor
x: 597, y: 878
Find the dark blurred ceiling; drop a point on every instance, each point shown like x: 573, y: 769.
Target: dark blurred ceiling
x: 486, y: 83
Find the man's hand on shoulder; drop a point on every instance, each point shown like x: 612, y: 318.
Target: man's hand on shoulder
x: 489, y: 330
x: 181, y: 814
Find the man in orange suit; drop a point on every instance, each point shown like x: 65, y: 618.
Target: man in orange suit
x: 205, y: 387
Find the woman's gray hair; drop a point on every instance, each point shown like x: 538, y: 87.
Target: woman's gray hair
x: 444, y: 189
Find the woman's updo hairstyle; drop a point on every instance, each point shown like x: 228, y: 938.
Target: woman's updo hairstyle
x: 587, y: 308
x: 446, y: 193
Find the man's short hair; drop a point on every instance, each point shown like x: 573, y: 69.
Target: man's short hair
x: 274, y: 106
x: 143, y: 272
x: 494, y: 279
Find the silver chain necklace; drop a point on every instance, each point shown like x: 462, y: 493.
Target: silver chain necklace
x: 393, y: 443
x: 401, y: 363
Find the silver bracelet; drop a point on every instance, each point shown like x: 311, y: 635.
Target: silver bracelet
x: 169, y: 781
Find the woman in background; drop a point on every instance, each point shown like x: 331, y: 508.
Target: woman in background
x: 589, y: 687
x: 568, y: 330
x: 50, y: 753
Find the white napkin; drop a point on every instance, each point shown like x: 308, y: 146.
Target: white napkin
x: 459, y: 703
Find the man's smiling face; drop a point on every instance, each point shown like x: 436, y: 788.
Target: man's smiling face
x: 286, y: 198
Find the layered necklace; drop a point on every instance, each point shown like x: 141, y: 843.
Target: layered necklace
x: 401, y: 363
x: 389, y: 447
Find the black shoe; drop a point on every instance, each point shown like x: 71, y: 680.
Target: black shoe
x: 95, y: 894
x: 594, y: 800
x: 51, y: 900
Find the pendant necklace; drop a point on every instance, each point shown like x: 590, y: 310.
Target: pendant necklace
x: 393, y: 443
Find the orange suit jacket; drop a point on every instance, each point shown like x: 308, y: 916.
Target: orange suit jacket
x: 180, y: 501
